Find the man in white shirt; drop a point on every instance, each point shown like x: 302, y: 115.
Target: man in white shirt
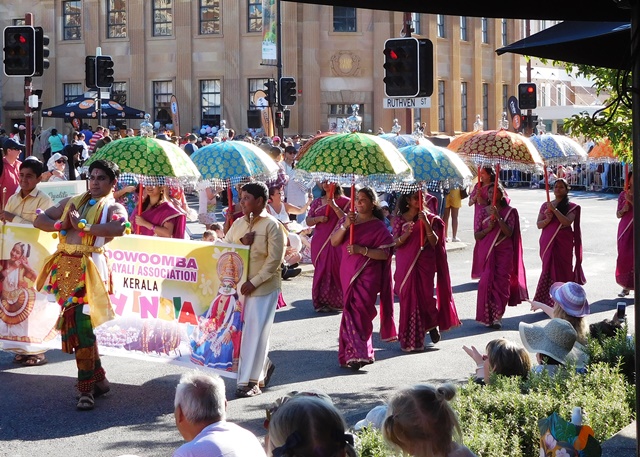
x: 200, y: 416
x: 294, y: 192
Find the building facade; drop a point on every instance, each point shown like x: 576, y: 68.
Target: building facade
x: 208, y: 54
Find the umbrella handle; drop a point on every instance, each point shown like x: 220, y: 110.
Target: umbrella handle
x: 494, y: 199
x: 546, y: 183
x: 353, y: 208
x: 230, y: 200
x: 332, y: 189
x: 626, y: 177
x: 420, y: 224
x: 139, y: 206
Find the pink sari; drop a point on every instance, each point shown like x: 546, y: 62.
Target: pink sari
x: 557, y: 247
x: 362, y: 279
x: 624, y: 262
x: 414, y: 282
x: 160, y: 214
x: 503, y: 281
x: 478, y: 214
x: 326, y: 291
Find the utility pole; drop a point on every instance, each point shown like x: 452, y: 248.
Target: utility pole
x: 28, y: 88
x: 279, y: 119
x: 406, y: 33
x: 528, y: 130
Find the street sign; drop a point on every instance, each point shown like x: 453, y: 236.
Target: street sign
x: 399, y: 103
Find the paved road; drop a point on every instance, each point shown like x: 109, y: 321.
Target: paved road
x: 37, y: 406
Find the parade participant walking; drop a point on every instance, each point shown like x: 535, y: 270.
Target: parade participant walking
x: 21, y: 208
x: 503, y: 281
x: 559, y: 241
x: 264, y: 234
x: 414, y: 280
x: 365, y: 272
x: 159, y: 217
x: 78, y: 274
x: 624, y: 262
x: 479, y: 199
x: 326, y: 291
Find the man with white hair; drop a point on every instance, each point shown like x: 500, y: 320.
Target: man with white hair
x: 200, y: 414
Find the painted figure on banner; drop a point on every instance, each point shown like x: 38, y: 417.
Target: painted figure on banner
x: 215, y: 341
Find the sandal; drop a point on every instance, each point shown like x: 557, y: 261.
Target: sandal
x: 19, y: 358
x: 246, y: 391
x: 101, y: 387
x: 34, y: 360
x: 85, y: 402
x: 435, y: 335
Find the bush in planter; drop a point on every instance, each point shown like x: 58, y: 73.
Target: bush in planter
x: 618, y: 350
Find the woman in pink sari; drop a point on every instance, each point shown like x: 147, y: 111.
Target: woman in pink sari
x: 414, y: 280
x: 479, y: 199
x: 503, y: 281
x: 159, y: 217
x: 326, y: 291
x: 624, y: 263
x: 558, y: 242
x: 365, y: 271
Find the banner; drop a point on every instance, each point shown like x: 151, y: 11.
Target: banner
x: 175, y: 115
x: 59, y: 190
x: 269, y: 32
x: 176, y: 301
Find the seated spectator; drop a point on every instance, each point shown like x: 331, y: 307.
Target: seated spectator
x: 421, y: 423
x: 502, y: 357
x: 209, y: 235
x: 551, y: 343
x: 309, y: 426
x: 200, y: 417
x: 216, y: 228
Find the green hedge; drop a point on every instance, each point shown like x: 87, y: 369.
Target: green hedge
x: 502, y: 418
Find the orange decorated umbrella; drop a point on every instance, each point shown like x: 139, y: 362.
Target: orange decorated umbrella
x: 310, y: 142
x: 603, y: 152
x: 460, y: 139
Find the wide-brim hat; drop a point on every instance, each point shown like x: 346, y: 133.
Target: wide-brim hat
x: 555, y: 339
x: 374, y: 419
x: 571, y: 297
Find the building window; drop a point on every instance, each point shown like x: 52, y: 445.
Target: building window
x: 339, y: 112
x: 210, y: 102
x: 162, y: 18
x: 441, y: 112
x: 344, y: 19
x: 463, y: 28
x: 440, y: 25
x: 485, y: 104
x: 116, y: 19
x: 20, y: 21
x: 505, y: 98
x: 463, y: 107
x: 484, y: 25
x: 72, y: 20
x: 72, y: 91
x: 162, y: 91
x: 119, y: 92
x: 415, y: 23
x: 254, y: 86
x: 503, y: 29
x: 209, y: 17
x: 255, y: 15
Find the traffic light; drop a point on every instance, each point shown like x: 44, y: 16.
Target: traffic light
x: 287, y: 91
x: 104, y: 72
x: 42, y: 52
x: 279, y: 119
x: 90, y: 72
x: 270, y: 92
x: 19, y: 50
x: 408, y: 67
x: 527, y: 97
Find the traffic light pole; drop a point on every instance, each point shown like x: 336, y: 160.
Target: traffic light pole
x: 280, y: 125
x: 528, y: 130
x: 406, y: 32
x: 28, y: 88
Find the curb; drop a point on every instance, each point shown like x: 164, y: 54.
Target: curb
x: 622, y: 444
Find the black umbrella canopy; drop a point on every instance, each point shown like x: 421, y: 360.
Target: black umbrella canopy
x: 576, y: 10
x: 601, y: 44
x: 84, y: 108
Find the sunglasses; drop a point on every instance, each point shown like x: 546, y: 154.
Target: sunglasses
x: 60, y: 161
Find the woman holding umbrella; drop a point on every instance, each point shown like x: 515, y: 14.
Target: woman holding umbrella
x: 479, y: 199
x: 559, y: 220
x: 624, y: 263
x: 503, y: 281
x: 324, y: 214
x: 365, y: 271
x: 416, y: 268
x: 159, y: 217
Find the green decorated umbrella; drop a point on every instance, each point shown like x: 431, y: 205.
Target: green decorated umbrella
x: 151, y: 160
x: 346, y: 158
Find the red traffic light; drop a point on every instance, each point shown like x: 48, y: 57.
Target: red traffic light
x: 22, y: 39
x: 530, y: 89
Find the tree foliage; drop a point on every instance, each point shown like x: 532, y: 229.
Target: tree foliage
x: 615, y: 121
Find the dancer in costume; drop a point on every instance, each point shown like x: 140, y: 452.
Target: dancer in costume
x: 365, y: 272
x: 78, y: 274
x: 558, y: 242
x: 624, y: 262
x: 415, y: 274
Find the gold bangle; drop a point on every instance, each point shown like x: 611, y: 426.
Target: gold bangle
x: 87, y: 227
x: 342, y: 227
x: 366, y: 251
x: 431, y: 234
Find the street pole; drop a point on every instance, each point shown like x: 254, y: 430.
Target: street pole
x: 28, y: 88
x: 280, y: 125
x: 406, y: 32
x: 529, y: 127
